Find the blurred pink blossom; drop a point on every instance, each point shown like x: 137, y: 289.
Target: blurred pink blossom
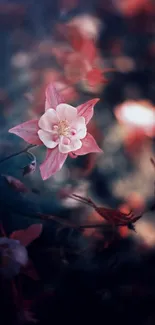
x: 130, y: 7
x: 138, y: 116
x: 82, y: 62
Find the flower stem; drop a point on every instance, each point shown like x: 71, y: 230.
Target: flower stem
x: 17, y: 153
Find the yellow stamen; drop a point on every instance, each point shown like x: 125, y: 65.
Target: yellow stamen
x: 63, y: 128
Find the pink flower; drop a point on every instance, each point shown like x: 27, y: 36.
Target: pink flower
x: 62, y: 129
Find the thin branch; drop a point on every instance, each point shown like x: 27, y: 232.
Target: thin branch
x: 17, y: 153
x: 103, y: 225
x: 59, y: 220
x: 95, y: 225
x: 81, y: 199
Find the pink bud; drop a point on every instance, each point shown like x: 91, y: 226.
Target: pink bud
x: 55, y: 127
x: 30, y: 169
x: 66, y: 141
x: 55, y: 137
x: 73, y: 132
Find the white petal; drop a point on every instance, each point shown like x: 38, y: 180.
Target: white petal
x: 66, y: 112
x: 74, y: 145
x: 80, y: 127
x: 48, y: 119
x: 47, y: 139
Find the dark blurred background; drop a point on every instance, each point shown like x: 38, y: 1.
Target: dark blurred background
x: 123, y: 31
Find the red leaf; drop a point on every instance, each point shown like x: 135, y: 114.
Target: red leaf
x: 30, y: 271
x: 27, y: 236
x: 16, y: 184
x: 115, y: 216
x: 112, y: 216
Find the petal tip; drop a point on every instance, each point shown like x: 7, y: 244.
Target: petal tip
x: 97, y: 150
x: 44, y: 177
x: 100, y: 150
x: 97, y: 100
x: 44, y: 174
x: 87, y: 109
x: 94, y: 101
x: 11, y: 130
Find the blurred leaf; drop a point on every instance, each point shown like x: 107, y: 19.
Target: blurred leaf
x: 27, y: 236
x: 16, y: 184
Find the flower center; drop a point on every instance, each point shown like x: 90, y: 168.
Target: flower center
x: 63, y: 128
